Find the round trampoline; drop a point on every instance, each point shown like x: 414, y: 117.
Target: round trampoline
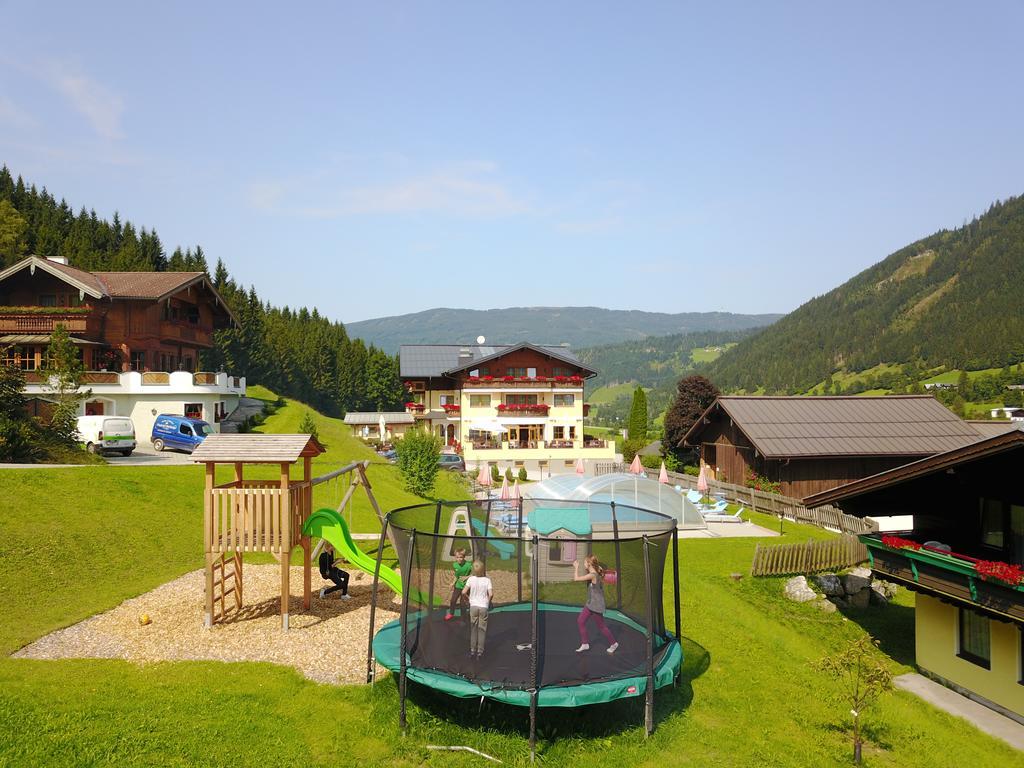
x: 532, y: 550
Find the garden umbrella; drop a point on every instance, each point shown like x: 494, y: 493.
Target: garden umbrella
x: 702, y: 479
x: 636, y: 467
x: 663, y: 475
x: 504, y: 495
x: 484, y: 477
x: 580, y: 467
x: 382, y: 426
x: 515, y: 490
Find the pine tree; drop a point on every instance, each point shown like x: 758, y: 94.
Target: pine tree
x: 638, y: 416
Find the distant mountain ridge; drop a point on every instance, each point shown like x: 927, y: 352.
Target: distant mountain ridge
x: 576, y: 326
x: 953, y: 299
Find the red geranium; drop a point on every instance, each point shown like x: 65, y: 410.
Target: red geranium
x: 508, y: 378
x: 995, y: 571
x: 897, y: 543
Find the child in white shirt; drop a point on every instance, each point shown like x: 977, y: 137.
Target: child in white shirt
x: 480, y: 591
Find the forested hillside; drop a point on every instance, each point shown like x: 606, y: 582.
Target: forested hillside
x: 953, y: 299
x: 654, y: 361
x: 575, y: 326
x: 296, y: 352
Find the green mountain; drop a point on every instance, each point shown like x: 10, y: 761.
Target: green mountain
x: 951, y: 300
x: 577, y: 326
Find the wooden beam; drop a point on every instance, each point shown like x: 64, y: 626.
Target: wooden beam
x: 286, y: 544
x: 208, y: 511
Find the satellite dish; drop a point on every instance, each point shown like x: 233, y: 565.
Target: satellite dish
x: 480, y: 339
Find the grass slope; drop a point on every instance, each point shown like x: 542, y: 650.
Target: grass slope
x: 78, y: 541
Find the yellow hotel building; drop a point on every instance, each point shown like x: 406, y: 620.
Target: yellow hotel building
x: 502, y: 403
x: 964, y: 559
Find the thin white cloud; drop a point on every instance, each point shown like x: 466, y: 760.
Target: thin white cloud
x: 13, y: 116
x: 95, y: 102
x: 467, y: 190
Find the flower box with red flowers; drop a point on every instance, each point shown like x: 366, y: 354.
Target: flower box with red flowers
x: 508, y: 378
x: 561, y: 379
x: 1006, y: 573
x: 451, y: 408
x: 540, y: 378
x: 539, y: 408
x: 473, y: 379
x: 414, y: 406
x: 486, y: 378
x: 897, y: 543
x: 575, y: 379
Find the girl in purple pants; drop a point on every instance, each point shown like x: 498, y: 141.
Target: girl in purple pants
x: 595, y: 606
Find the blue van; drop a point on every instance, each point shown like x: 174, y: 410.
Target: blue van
x: 172, y: 431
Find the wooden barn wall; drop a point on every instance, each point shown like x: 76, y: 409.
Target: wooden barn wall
x: 803, y: 477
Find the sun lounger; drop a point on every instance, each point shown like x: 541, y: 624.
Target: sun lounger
x: 722, y: 517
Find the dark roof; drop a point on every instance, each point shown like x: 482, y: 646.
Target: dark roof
x: 893, y: 425
x: 85, y: 281
x: 992, y: 446
x: 990, y: 427
x: 146, y: 285
x: 445, y: 359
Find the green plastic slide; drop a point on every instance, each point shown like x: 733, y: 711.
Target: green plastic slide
x: 329, y: 525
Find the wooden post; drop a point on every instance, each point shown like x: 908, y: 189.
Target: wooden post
x: 208, y: 511
x: 307, y: 510
x: 286, y: 545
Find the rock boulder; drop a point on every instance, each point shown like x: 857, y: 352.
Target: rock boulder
x: 796, y: 589
x: 830, y: 584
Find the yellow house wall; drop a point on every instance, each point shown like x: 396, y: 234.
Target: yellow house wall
x: 937, y: 640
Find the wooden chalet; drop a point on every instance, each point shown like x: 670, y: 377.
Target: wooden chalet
x: 811, y: 444
x: 122, y: 321
x: 963, y: 557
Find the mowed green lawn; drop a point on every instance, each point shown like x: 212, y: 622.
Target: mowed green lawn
x: 79, y: 541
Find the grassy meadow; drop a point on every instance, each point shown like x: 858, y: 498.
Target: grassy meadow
x: 80, y: 540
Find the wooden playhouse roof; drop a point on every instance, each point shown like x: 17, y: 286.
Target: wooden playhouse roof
x: 255, y: 449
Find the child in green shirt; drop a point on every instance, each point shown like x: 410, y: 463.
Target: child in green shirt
x: 462, y: 571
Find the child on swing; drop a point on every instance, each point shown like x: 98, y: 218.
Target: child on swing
x: 595, y: 605
x: 462, y: 571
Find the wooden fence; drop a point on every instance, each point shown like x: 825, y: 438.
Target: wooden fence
x: 828, y: 517
x: 814, y: 556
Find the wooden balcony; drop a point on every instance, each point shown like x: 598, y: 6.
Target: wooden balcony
x: 186, y: 332
x: 501, y: 383
x: 13, y: 320
x: 946, y: 575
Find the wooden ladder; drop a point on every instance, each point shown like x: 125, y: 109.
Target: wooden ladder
x: 221, y: 590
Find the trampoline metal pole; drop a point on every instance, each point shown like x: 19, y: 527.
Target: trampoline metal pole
x: 373, y: 600
x: 519, y: 548
x: 649, y: 698
x: 433, y: 557
x: 534, y: 575
x: 675, y: 578
x: 403, y: 619
x: 618, y: 559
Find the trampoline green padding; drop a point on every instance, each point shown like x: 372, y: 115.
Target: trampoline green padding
x: 437, y: 657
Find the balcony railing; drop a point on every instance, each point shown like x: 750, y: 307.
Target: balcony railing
x: 516, y: 409
x: 15, y: 321
x: 179, y: 331
x: 947, y: 574
x: 503, y: 382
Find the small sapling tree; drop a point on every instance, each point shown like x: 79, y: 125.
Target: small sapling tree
x: 862, y: 680
x: 64, y: 372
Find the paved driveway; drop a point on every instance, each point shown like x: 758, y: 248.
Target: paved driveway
x: 145, y: 456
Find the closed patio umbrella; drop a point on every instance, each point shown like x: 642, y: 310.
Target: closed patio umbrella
x: 504, y: 495
x: 702, y: 479
x: 580, y: 467
x: 484, y: 477
x: 515, y: 490
x: 382, y: 427
x: 637, y: 469
x: 663, y: 475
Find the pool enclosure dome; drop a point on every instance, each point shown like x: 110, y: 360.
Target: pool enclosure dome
x: 532, y: 549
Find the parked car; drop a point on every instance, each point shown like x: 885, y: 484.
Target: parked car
x: 107, y: 434
x: 452, y: 462
x: 178, y: 432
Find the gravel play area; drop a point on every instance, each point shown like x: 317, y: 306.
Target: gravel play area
x: 326, y: 644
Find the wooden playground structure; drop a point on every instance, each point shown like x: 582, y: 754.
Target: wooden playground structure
x: 243, y: 515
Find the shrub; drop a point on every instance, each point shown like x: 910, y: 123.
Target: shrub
x: 508, y: 474
x: 495, y: 473
x: 417, y: 460
x: 19, y: 442
x: 651, y: 462
x: 630, y: 448
x: 522, y: 475
x: 691, y: 469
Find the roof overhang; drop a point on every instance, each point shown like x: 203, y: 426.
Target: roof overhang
x: 32, y: 263
x: 992, y: 446
x: 515, y: 348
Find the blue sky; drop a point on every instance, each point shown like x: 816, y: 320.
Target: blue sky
x: 374, y: 159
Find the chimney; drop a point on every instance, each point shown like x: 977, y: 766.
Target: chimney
x: 465, y: 354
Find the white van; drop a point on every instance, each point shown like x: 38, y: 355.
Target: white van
x: 107, y: 434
